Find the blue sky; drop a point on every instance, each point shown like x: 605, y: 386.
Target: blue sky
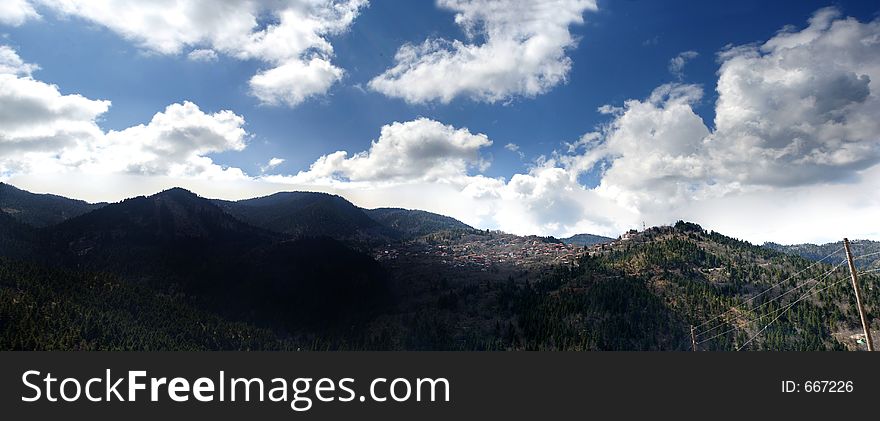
x: 621, y: 52
x: 624, y: 52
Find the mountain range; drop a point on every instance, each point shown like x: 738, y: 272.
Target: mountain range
x: 41, y: 210
x: 870, y: 250
x: 300, y: 270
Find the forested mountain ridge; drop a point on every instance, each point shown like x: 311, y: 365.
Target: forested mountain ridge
x: 639, y: 293
x: 175, y: 242
x: 301, y: 214
x: 107, y: 275
x: 737, y: 295
x: 295, y: 214
x: 415, y: 223
x: 41, y: 210
x: 158, y: 234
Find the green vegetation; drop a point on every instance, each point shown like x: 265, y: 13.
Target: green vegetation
x: 40, y: 210
x: 175, y: 271
x: 56, y: 309
x: 416, y: 223
x: 640, y: 294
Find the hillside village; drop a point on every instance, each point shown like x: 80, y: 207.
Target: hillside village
x: 484, y: 250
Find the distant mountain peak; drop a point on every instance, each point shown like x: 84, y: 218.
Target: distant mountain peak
x: 416, y: 223
x: 306, y: 214
x: 586, y: 239
x: 177, y: 192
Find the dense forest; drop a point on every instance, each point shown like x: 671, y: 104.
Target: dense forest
x: 175, y: 271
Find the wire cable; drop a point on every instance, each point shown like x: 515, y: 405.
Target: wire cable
x: 866, y: 255
x: 786, y: 308
x: 772, y: 286
x: 755, y: 318
x: 816, y: 279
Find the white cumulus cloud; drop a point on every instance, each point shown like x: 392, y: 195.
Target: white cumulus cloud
x: 429, y: 165
x: 293, y: 82
x: 175, y: 143
x: 514, y: 48
x: 16, y: 12
x: 45, y: 131
x: 418, y: 150
x: 795, y: 116
x: 290, y: 37
x: 801, y: 108
x: 11, y: 63
x: 793, y: 154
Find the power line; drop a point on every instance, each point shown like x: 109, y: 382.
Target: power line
x: 783, y: 294
x: 771, y: 287
x: 718, y: 335
x: 782, y: 310
x: 823, y: 276
x: 768, y: 302
x: 866, y: 327
x: 866, y: 255
x: 758, y: 317
x: 786, y: 308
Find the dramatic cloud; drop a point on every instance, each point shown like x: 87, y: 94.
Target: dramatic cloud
x: 656, y: 150
x: 289, y: 36
x: 793, y: 130
x: 676, y: 64
x: 793, y: 114
x: 523, y: 53
x: 801, y: 108
x: 798, y: 110
x: 794, y: 144
x: 45, y: 131
x: 16, y: 12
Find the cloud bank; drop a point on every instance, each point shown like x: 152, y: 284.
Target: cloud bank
x: 795, y: 121
x: 794, y: 144
x: 44, y: 131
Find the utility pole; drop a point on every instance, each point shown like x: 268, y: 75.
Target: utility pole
x: 693, y: 339
x: 855, y: 283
